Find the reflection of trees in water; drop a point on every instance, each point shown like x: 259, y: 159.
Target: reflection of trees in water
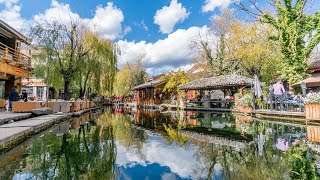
x: 174, y: 135
x: 130, y: 138
x: 243, y: 164
x: 84, y: 154
x: 296, y: 163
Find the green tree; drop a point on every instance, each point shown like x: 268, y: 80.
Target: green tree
x: 297, y: 33
x: 122, y: 85
x: 96, y: 70
x: 66, y: 43
x: 256, y: 53
x: 74, y: 58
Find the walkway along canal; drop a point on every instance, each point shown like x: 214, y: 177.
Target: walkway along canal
x: 178, y: 145
x: 23, y: 126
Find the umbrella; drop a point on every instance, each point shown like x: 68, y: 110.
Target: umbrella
x: 257, y: 86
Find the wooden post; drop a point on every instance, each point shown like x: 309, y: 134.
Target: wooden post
x: 6, y: 52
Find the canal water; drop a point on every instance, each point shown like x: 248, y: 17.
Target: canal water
x: 125, y: 144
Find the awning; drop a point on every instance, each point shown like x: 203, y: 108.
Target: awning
x: 313, y: 81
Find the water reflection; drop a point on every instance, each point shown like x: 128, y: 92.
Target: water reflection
x: 122, y: 144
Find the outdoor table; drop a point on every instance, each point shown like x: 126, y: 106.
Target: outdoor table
x: 18, y: 106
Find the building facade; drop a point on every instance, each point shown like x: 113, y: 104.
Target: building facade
x: 36, y: 89
x: 14, y: 65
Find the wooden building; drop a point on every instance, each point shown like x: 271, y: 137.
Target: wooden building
x: 150, y: 93
x: 228, y: 85
x: 14, y: 65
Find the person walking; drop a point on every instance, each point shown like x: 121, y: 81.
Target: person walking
x: 14, y: 96
x: 279, y: 91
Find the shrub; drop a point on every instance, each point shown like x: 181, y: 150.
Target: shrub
x: 246, y: 100
x: 167, y: 102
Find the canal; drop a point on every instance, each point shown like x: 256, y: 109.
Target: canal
x: 125, y: 144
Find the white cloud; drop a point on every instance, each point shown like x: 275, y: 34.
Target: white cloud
x: 107, y: 21
x: 9, y: 3
x: 165, y: 54
x: 210, y: 5
x: 169, y: 16
x: 127, y: 30
x: 11, y: 15
x: 144, y: 26
x: 57, y: 12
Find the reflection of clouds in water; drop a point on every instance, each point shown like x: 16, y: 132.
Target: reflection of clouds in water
x: 168, y: 176
x: 180, y: 160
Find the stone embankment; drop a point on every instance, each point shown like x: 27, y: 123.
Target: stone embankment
x: 17, y: 127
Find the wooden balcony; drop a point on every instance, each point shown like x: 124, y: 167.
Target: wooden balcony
x: 13, y: 62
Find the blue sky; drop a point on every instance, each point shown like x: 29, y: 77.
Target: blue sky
x: 160, y: 31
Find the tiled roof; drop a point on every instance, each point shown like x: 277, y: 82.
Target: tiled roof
x: 149, y: 84
x: 314, y: 60
x: 217, y: 82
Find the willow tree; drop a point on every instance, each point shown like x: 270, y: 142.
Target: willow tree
x: 298, y: 32
x: 122, y: 85
x: 66, y: 44
x: 96, y: 70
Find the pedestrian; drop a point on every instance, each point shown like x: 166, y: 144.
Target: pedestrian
x: 14, y: 96
x: 279, y: 91
x: 24, y: 96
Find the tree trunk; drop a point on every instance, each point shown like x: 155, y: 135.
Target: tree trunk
x: 82, y: 92
x: 66, y: 90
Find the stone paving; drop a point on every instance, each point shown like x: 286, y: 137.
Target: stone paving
x: 8, y: 116
x: 21, y: 129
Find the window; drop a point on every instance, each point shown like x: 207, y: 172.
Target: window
x: 40, y: 91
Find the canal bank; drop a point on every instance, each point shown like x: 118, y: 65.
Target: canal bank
x: 23, y: 125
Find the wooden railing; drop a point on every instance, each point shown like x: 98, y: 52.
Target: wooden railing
x: 15, y: 58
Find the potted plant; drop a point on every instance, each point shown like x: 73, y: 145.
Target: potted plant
x: 312, y: 106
